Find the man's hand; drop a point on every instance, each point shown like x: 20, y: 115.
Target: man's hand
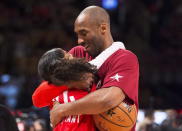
x: 54, y: 113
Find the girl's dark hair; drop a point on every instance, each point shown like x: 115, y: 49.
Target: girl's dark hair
x: 71, y: 70
x: 54, y: 68
x: 47, y: 60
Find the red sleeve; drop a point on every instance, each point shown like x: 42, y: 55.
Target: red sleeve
x: 123, y: 72
x: 79, y: 52
x: 44, y: 94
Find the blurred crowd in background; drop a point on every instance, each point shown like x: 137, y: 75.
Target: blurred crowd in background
x: 152, y: 29
x: 36, y: 120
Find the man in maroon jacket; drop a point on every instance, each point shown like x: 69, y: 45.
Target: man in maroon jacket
x: 118, y: 74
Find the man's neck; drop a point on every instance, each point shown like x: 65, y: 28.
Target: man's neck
x: 108, y: 42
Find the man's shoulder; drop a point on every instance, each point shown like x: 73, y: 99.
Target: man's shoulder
x: 123, y: 55
x: 124, y: 52
x: 121, y: 58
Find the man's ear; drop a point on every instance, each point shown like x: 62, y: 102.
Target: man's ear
x: 103, y: 28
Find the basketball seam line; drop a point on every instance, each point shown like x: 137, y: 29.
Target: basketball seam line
x: 116, y: 123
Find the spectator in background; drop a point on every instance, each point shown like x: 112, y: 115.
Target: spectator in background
x: 40, y: 125
x: 7, y: 121
x: 171, y: 116
x: 28, y: 125
x: 148, y: 123
x: 178, y: 122
x: 173, y: 121
x: 9, y: 89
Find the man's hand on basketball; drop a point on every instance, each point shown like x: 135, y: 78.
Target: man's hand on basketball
x: 55, y: 115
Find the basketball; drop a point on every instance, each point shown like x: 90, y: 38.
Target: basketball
x: 121, y: 118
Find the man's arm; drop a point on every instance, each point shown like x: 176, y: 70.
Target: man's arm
x: 96, y: 102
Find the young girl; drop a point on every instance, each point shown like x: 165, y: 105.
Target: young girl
x: 66, y: 79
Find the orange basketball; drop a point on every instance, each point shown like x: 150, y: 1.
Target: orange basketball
x: 121, y: 118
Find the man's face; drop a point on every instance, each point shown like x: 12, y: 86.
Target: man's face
x: 89, y: 35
